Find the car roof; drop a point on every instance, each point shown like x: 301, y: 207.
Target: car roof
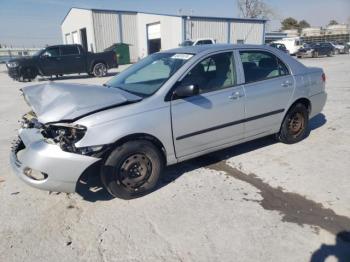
x: 213, y: 48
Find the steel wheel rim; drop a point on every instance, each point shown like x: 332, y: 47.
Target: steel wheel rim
x: 135, y: 171
x: 296, y: 124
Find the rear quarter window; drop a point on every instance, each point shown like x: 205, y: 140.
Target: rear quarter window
x: 262, y: 65
x: 69, y: 50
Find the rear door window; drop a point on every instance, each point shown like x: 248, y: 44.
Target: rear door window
x: 261, y: 65
x: 69, y: 50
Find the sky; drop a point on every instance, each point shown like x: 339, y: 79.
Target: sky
x: 37, y: 22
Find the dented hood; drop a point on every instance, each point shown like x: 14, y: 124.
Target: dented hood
x: 54, y: 102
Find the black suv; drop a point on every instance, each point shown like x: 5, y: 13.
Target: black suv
x: 316, y: 50
x: 59, y: 60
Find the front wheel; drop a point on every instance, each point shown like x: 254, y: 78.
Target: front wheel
x: 295, y: 125
x: 28, y: 74
x: 132, y: 169
x: 99, y: 70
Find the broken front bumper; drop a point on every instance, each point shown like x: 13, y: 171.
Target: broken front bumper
x: 61, y: 170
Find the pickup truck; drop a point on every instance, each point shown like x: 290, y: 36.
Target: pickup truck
x: 201, y: 41
x: 59, y: 60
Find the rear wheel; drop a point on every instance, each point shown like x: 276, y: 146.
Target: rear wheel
x: 295, y: 125
x: 99, y: 70
x: 132, y: 169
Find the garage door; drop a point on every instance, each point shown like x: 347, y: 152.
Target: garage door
x: 68, y: 39
x: 153, y: 31
x: 154, y: 38
x: 75, y: 38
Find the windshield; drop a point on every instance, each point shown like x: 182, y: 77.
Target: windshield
x: 187, y: 43
x: 147, y: 76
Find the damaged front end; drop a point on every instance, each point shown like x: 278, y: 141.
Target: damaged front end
x: 63, y: 134
x: 45, y: 155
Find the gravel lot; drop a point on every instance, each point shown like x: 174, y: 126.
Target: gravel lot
x: 260, y: 201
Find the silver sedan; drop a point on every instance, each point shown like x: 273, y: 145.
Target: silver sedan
x: 169, y: 107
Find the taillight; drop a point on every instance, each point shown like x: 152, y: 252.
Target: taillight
x: 324, y: 77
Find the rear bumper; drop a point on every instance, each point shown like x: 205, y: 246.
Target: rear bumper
x: 62, y: 169
x: 318, y: 102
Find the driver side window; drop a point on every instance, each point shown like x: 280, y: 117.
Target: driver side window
x: 213, y: 73
x: 52, y: 52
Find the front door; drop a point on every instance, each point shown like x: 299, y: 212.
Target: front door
x: 268, y: 88
x: 50, y: 61
x: 212, y: 118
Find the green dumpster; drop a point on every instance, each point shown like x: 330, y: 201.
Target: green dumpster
x: 122, y: 52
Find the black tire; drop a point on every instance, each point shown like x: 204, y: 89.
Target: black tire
x: 28, y: 73
x: 132, y: 169
x: 100, y: 69
x: 295, y: 126
x: 315, y: 54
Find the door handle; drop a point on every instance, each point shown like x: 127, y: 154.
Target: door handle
x: 235, y: 96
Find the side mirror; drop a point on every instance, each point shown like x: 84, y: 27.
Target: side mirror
x: 184, y: 91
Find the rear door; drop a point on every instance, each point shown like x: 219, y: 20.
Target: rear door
x: 72, y: 59
x: 212, y: 118
x: 268, y: 88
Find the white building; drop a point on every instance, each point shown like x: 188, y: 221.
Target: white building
x: 340, y: 29
x: 147, y: 33
x: 291, y: 32
x: 17, y: 51
x: 311, y: 31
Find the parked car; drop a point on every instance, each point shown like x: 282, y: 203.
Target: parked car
x: 169, y: 107
x: 293, y: 44
x: 201, y: 41
x: 340, y: 48
x: 60, y: 60
x: 315, y: 50
x: 281, y: 47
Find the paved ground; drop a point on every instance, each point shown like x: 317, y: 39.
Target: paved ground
x: 261, y: 201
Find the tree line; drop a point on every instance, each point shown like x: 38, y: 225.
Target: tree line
x: 260, y: 9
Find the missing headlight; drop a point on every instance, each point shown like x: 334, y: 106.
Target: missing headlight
x: 66, y: 135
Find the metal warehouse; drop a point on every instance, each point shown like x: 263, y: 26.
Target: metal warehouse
x: 146, y: 33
